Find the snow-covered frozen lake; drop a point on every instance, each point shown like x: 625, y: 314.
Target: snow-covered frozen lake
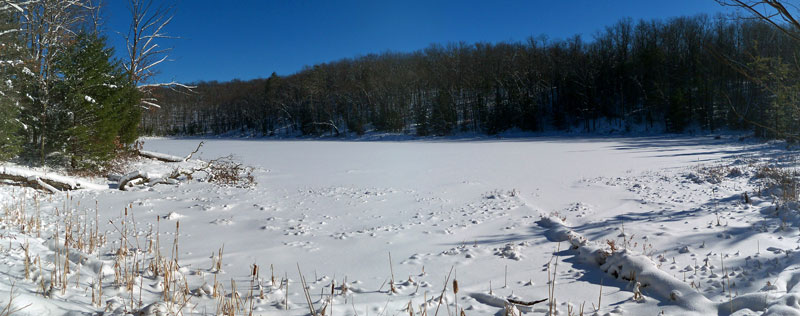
x: 340, y: 209
x: 544, y: 170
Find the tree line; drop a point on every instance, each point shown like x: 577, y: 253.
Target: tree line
x: 688, y: 72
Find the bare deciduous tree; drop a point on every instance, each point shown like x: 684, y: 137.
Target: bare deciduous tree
x: 147, y: 29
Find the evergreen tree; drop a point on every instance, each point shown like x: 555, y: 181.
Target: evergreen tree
x: 12, y: 81
x: 97, y: 105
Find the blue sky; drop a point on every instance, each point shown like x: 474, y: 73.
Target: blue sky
x: 245, y: 39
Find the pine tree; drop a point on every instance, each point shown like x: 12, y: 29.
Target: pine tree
x: 48, y: 27
x: 97, y: 105
x: 12, y: 79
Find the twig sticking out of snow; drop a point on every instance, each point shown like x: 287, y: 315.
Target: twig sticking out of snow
x: 311, y: 309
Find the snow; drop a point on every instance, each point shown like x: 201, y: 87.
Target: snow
x: 499, y: 213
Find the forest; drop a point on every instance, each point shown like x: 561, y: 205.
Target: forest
x: 697, y: 73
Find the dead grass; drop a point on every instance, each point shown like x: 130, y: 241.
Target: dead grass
x: 780, y: 182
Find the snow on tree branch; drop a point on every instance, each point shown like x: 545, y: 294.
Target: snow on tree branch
x: 167, y: 84
x: 15, y: 5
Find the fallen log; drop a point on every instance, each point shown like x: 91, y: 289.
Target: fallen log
x: 31, y: 182
x: 168, y: 158
x: 43, y: 185
x: 47, y: 182
x: 160, y: 156
x: 140, y: 177
x: 130, y: 178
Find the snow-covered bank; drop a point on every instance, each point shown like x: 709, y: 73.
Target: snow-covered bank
x: 339, y: 209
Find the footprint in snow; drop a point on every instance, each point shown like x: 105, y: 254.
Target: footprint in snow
x: 222, y: 221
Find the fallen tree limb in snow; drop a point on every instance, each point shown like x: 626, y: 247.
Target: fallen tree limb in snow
x: 140, y: 177
x: 44, y: 185
x: 221, y: 171
x: 167, y: 157
x: 160, y: 156
x: 47, y: 182
x: 131, y: 178
x: 31, y: 182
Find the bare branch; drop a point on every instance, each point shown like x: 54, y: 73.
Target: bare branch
x: 773, y: 12
x: 148, y: 24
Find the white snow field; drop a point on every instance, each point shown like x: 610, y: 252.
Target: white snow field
x: 626, y: 226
